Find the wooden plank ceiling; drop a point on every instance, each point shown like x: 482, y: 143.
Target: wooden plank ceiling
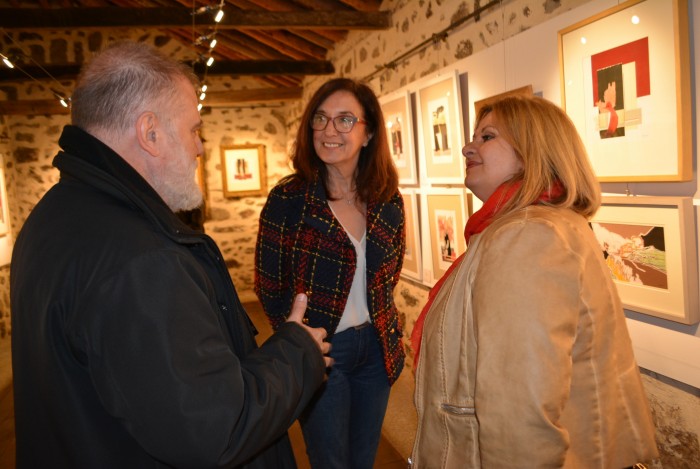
x: 278, y: 42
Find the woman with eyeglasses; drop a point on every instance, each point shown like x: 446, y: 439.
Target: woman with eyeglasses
x: 334, y: 229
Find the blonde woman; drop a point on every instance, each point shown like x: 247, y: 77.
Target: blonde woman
x: 524, y: 359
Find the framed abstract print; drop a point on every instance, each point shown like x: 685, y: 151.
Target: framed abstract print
x: 625, y: 76
x: 649, y: 246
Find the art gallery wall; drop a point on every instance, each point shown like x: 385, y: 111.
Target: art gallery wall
x: 531, y: 58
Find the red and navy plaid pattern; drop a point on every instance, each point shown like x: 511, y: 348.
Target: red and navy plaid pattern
x: 302, y: 247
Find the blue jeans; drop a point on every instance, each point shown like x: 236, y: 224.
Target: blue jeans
x: 343, y: 423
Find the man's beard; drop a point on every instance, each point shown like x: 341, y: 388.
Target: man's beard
x: 177, y: 186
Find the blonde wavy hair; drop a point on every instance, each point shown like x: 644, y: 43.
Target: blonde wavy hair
x: 551, y: 150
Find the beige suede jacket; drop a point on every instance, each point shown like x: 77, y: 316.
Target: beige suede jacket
x: 526, y: 361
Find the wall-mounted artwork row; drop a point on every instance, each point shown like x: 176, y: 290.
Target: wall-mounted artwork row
x: 649, y: 246
x: 625, y: 76
x: 431, y: 172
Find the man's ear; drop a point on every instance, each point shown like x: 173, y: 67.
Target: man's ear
x: 147, y: 133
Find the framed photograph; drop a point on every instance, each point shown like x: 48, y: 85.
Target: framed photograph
x: 244, y: 170
x: 446, y: 212
x: 649, y: 245
x: 4, y: 208
x: 412, y: 261
x: 522, y: 91
x: 398, y: 117
x: 441, y: 129
x: 625, y: 76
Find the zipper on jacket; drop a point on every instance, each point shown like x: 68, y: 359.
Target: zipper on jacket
x: 458, y: 410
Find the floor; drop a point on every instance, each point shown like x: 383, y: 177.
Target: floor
x: 387, y: 456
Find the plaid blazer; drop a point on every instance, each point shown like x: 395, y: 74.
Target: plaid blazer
x: 301, y: 247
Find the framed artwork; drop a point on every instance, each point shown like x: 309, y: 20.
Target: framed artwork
x: 201, y: 175
x: 522, y: 91
x: 625, y: 76
x: 446, y: 212
x: 441, y: 129
x: 412, y: 261
x: 399, y: 131
x: 244, y: 170
x: 649, y: 245
x: 4, y: 209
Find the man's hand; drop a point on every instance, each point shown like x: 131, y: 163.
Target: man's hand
x: 318, y: 333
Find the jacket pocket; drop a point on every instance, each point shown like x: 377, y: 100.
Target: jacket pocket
x: 463, y: 436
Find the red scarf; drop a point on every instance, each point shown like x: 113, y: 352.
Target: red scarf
x: 476, y: 224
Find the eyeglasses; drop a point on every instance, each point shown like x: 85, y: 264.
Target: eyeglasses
x: 342, y: 124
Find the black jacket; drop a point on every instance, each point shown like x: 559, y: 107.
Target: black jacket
x: 130, y: 347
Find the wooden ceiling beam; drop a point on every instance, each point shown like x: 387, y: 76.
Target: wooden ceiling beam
x: 174, y: 17
x: 277, y: 43
x: 34, y: 107
x: 255, y: 95
x: 39, y: 107
x: 220, y: 67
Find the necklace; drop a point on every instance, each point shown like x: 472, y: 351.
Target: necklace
x: 350, y: 200
x: 346, y: 195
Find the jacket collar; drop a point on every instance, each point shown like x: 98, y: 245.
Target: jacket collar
x: 89, y: 160
x: 380, y: 215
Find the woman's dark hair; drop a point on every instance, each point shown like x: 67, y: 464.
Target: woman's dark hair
x: 376, y: 177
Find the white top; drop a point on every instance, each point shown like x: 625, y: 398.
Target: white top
x: 356, y: 311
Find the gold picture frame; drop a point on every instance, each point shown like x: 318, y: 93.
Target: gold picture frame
x: 4, y: 208
x: 625, y: 80
x: 522, y: 91
x: 244, y: 170
x: 445, y: 214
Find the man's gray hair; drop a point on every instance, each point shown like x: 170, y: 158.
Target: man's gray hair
x: 121, y: 82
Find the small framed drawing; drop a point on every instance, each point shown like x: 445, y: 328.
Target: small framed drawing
x: 244, y: 170
x: 441, y: 129
x: 398, y: 118
x: 522, y: 91
x: 446, y: 212
x: 649, y: 245
x: 4, y: 209
x: 625, y: 76
x: 412, y: 261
